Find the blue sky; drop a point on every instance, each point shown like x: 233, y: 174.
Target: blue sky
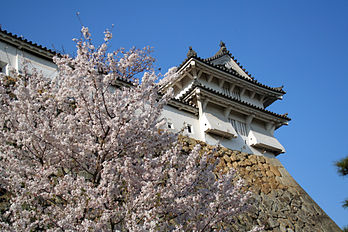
x: 302, y: 45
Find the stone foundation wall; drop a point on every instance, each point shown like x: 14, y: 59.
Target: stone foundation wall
x: 280, y: 203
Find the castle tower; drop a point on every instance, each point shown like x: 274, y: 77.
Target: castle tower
x: 218, y: 102
x: 231, y: 104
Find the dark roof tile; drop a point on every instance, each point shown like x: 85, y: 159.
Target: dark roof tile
x: 233, y: 72
x: 20, y: 38
x: 223, y: 51
x: 200, y: 85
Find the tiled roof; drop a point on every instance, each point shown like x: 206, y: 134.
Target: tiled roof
x: 21, y: 39
x: 223, y: 51
x: 192, y: 107
x: 200, y: 85
x: 172, y: 101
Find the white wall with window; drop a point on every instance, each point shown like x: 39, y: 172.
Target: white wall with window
x: 3, y: 67
x: 13, y: 59
x: 239, y: 126
x: 213, y: 121
x: 181, y: 121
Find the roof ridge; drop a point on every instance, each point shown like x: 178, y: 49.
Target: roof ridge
x: 233, y: 72
x: 22, y: 39
x: 224, y: 51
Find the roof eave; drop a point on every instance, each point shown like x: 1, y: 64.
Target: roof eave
x: 26, y: 45
x: 278, y: 92
x: 284, y: 119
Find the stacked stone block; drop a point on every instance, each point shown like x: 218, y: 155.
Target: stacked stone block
x: 279, y: 203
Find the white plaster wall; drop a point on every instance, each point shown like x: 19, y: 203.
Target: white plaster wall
x: 179, y: 118
x: 15, y: 59
x: 8, y: 54
x: 212, y: 110
x: 260, y: 127
x: 241, y: 142
x: 48, y: 68
x: 233, y: 143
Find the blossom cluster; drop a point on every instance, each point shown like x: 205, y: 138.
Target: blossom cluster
x: 85, y: 151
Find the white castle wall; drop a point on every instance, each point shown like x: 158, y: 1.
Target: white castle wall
x: 14, y: 59
x: 178, y: 119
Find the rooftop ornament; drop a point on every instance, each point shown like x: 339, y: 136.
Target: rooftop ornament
x: 279, y: 88
x: 191, y: 53
x: 223, y: 50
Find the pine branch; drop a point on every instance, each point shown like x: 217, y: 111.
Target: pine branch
x: 342, y: 166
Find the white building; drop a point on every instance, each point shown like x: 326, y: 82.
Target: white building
x: 15, y: 51
x: 216, y: 100
x: 224, y: 105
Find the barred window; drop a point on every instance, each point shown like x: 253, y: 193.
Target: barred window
x: 240, y: 127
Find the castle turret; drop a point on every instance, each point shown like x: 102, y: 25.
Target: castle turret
x: 231, y: 103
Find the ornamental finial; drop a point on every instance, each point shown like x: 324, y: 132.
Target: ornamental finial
x: 222, y: 44
x: 191, y: 53
x: 223, y: 49
x: 279, y: 88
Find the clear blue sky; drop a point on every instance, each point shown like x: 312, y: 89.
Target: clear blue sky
x: 300, y: 44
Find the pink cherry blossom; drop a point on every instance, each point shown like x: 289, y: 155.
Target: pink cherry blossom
x: 86, y: 151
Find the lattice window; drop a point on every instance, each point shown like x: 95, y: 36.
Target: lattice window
x: 240, y: 127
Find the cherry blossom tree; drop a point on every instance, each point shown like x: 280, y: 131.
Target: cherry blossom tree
x: 85, y: 151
